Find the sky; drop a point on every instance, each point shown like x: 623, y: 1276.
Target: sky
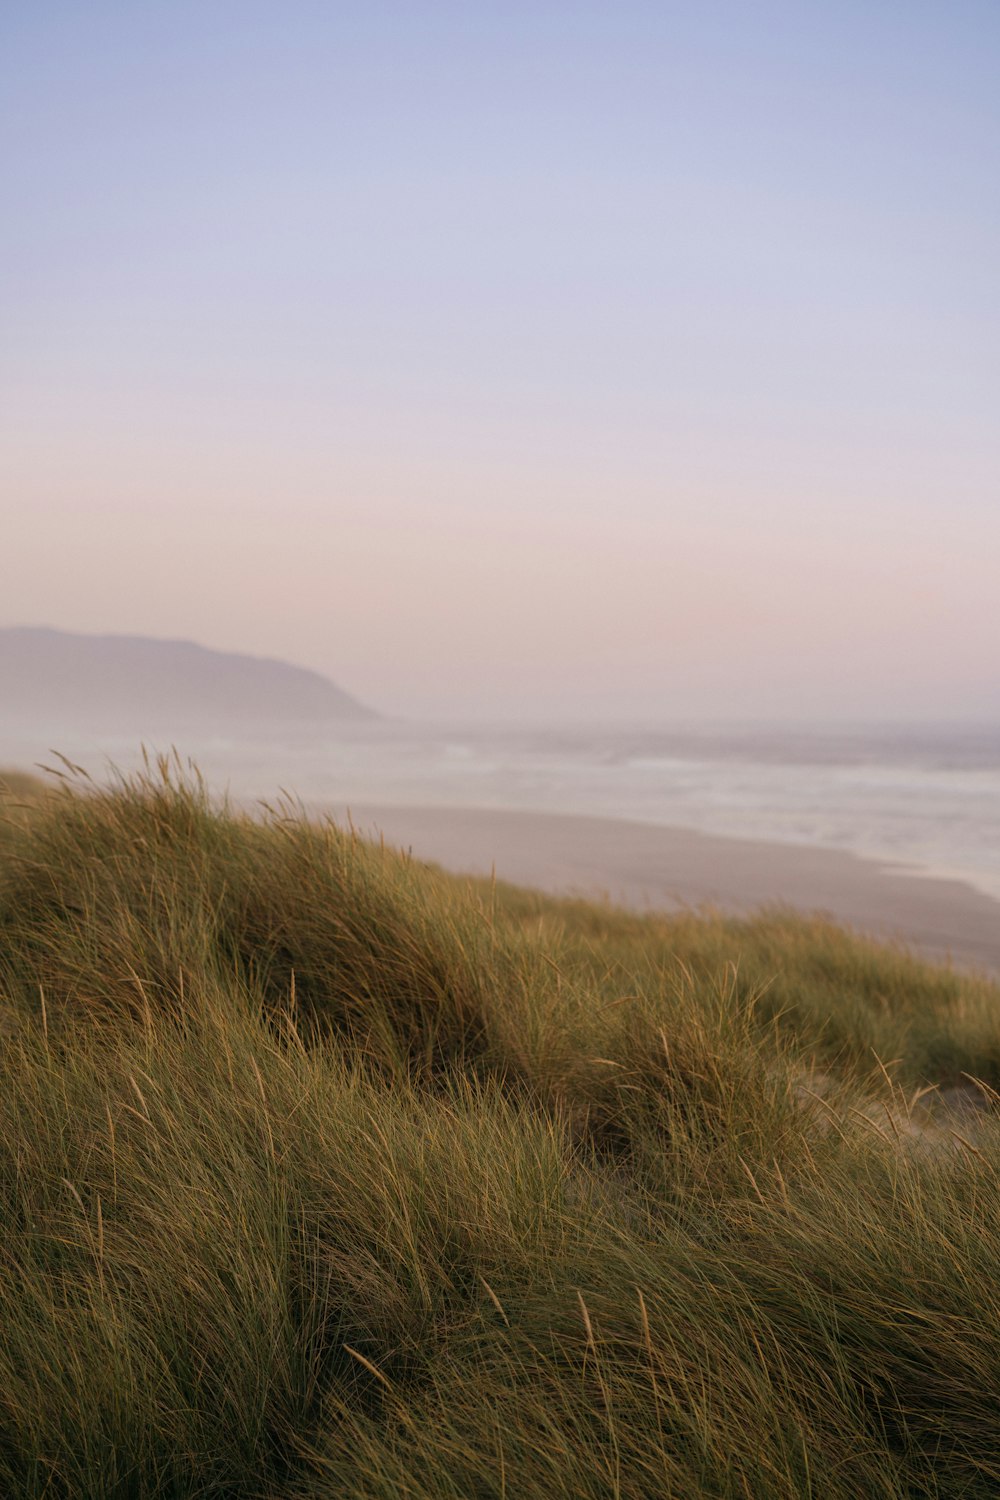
x: 537, y: 360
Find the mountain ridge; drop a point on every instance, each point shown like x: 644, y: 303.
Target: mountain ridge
x: 137, y: 684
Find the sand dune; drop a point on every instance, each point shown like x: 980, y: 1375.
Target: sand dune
x: 649, y: 867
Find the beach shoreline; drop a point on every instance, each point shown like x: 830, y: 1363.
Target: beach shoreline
x: 649, y: 867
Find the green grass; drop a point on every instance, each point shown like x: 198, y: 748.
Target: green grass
x: 324, y: 1174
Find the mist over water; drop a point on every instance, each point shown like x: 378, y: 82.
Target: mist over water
x: 926, y: 798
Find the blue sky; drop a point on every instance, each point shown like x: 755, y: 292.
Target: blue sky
x: 634, y: 359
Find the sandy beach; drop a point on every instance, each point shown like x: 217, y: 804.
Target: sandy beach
x: 650, y: 868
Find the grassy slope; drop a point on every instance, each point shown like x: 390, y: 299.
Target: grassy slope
x: 324, y: 1174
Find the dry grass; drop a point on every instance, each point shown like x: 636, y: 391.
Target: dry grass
x: 324, y: 1174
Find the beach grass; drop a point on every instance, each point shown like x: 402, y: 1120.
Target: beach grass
x: 326, y: 1174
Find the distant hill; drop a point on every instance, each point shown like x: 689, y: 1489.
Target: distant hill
x: 134, y: 685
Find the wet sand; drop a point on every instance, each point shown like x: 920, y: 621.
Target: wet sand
x: 652, y: 868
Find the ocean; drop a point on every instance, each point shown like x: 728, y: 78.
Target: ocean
x: 925, y: 798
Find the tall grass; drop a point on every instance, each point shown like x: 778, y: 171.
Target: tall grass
x: 324, y: 1174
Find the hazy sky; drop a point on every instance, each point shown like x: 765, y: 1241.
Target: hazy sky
x: 535, y: 358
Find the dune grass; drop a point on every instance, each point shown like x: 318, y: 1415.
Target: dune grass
x: 323, y: 1174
